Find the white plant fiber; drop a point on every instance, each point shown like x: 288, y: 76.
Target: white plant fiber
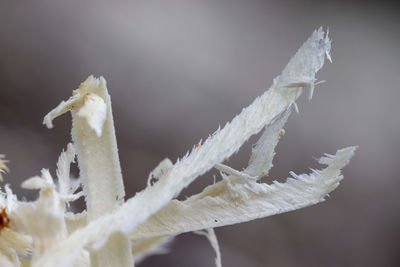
x: 298, y: 74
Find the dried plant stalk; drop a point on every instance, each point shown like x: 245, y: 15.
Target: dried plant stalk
x: 113, y: 232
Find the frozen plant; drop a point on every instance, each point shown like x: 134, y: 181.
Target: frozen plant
x: 115, y: 232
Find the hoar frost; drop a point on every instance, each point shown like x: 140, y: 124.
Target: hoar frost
x: 114, y: 232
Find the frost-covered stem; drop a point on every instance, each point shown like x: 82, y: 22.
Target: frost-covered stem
x: 97, y: 155
x: 101, y: 173
x: 94, y: 138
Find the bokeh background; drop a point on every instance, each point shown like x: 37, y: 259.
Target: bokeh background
x: 177, y: 69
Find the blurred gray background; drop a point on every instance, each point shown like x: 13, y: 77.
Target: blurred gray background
x: 178, y: 69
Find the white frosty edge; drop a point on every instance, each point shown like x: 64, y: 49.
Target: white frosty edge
x: 223, y: 143
x: 63, y: 170
x: 224, y: 203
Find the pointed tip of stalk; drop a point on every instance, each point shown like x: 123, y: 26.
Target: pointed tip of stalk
x: 342, y: 156
x: 301, y: 70
x: 346, y: 153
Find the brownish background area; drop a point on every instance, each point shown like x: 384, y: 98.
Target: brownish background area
x: 178, y: 69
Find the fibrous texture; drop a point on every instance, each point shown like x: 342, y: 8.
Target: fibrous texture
x: 3, y: 167
x: 112, y: 232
